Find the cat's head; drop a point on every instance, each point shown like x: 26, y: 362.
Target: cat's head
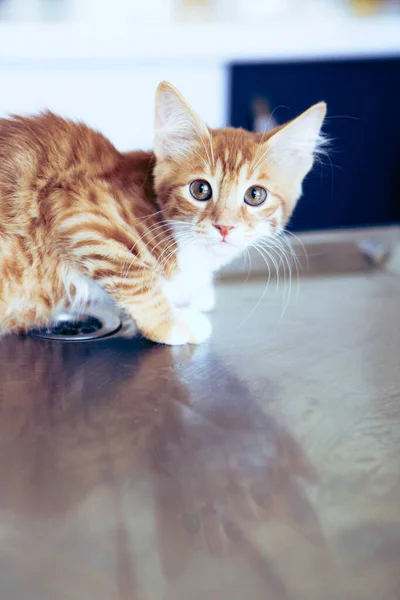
x: 229, y: 188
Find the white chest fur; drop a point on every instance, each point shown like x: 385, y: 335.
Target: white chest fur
x: 193, y: 284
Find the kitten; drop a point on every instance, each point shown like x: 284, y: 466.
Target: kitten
x: 79, y: 219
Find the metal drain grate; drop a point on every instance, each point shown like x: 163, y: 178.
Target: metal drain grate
x: 79, y: 328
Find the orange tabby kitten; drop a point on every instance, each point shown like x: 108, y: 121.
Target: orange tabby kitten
x: 79, y: 219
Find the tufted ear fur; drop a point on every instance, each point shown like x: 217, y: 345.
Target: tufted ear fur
x: 292, y: 148
x: 177, y: 127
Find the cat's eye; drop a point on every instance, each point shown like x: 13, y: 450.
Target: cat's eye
x: 255, y: 195
x: 200, y: 190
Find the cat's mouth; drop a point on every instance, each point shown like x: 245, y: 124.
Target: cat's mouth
x: 219, y: 245
x: 223, y: 246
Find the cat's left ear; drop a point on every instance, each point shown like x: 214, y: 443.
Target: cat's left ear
x: 292, y: 148
x: 177, y: 127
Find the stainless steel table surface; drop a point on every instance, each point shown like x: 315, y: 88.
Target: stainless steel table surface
x: 264, y: 464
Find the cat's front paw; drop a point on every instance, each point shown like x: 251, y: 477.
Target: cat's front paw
x: 189, y: 327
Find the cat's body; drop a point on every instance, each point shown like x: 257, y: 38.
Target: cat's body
x: 53, y: 171
x: 112, y: 192
x: 79, y: 220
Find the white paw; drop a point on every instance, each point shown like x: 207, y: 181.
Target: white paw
x: 190, y: 327
x: 205, y: 302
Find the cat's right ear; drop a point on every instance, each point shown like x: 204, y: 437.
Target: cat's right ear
x: 177, y: 127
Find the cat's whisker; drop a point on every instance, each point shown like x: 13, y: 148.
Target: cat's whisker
x: 201, y: 157
x: 150, y: 249
x: 168, y: 257
x: 296, y: 262
x: 148, y: 230
x: 291, y: 259
x: 271, y: 251
x: 140, y: 239
x: 171, y: 248
x: 170, y: 242
x: 247, y: 256
x: 155, y: 227
x: 173, y: 221
x: 285, y: 240
x: 251, y: 168
x: 262, y: 160
x: 285, y: 235
x: 285, y: 261
x: 179, y: 225
x: 185, y: 243
x: 277, y: 270
x: 287, y: 274
x: 151, y: 216
x: 204, y: 145
x: 258, y: 159
x: 266, y: 130
x: 282, y: 263
x: 175, y: 236
x: 272, y: 244
x: 175, y: 243
x: 277, y: 252
x: 171, y: 236
x: 156, y: 273
x: 260, y: 251
x: 288, y: 293
x: 211, y: 148
x: 159, y: 267
x: 258, y: 148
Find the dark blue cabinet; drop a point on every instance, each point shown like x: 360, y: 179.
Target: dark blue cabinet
x: 359, y: 185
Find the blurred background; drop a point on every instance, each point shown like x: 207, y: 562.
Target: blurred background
x: 249, y: 63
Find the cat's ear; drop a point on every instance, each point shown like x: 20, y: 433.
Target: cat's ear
x: 177, y: 127
x: 292, y: 148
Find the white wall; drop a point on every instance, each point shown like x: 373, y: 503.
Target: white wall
x: 117, y: 99
x: 106, y: 74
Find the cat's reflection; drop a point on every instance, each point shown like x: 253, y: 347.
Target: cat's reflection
x: 76, y: 418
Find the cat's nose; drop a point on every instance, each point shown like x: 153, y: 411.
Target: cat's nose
x: 224, y: 229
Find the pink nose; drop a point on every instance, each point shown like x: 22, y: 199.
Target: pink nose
x: 224, y: 229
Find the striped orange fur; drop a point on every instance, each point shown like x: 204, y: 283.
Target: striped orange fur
x: 79, y: 219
